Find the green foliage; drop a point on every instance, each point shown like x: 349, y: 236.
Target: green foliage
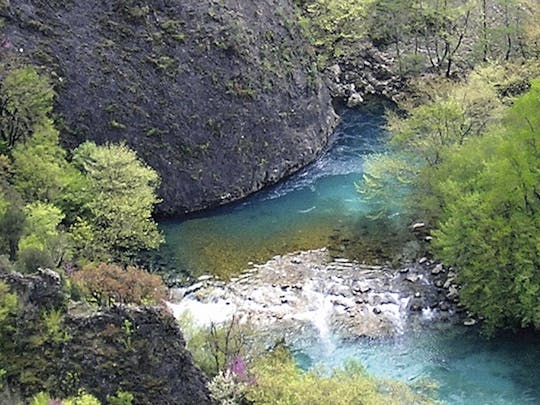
x: 120, y: 197
x: 82, y: 398
x: 41, y: 171
x: 447, y: 114
x: 105, y: 198
x: 12, y: 221
x: 8, y: 309
x: 489, y: 230
x: 334, y: 25
x: 442, y: 115
x: 25, y: 100
x: 42, y: 221
x: 41, y: 398
x: 41, y: 244
x: 121, y: 398
x: 215, y: 346
x: 279, y: 381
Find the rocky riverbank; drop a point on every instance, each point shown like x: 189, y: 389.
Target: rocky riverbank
x: 314, y: 293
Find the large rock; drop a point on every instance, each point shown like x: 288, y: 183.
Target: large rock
x: 221, y: 97
x: 140, y: 350
x: 129, y: 348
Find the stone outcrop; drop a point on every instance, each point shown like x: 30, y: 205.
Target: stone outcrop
x: 140, y: 350
x: 220, y: 97
x: 102, y: 350
x: 364, y: 75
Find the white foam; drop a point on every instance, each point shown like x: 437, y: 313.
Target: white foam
x: 204, y: 314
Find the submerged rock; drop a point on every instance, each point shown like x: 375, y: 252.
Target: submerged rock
x: 312, y: 291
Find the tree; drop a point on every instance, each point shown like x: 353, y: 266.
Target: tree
x: 334, y: 25
x: 12, y: 221
x: 25, y: 100
x: 41, y: 171
x: 490, y: 227
x: 118, y: 203
x: 446, y: 114
x: 42, y: 244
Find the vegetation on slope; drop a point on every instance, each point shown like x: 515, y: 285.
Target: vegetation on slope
x: 467, y: 163
x: 55, y: 209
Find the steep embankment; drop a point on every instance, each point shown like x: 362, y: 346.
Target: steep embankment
x: 58, y: 346
x: 221, y: 97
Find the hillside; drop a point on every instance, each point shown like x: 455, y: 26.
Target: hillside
x: 220, y: 97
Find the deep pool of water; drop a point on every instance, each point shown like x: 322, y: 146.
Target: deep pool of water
x: 319, y: 206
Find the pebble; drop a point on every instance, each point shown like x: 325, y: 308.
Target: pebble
x: 437, y: 269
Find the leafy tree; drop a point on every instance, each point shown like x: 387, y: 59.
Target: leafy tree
x: 444, y: 114
x: 42, y: 172
x: 214, y: 347
x: 12, y: 221
x: 334, y: 25
x: 490, y: 191
x: 447, y: 114
x: 42, y: 244
x: 25, y: 100
x: 119, y: 199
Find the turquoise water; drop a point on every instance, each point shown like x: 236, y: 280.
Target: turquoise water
x: 309, y: 210
x: 467, y: 368
x: 319, y: 206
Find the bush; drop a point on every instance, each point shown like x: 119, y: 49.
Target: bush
x: 119, y: 198
x: 279, y: 381
x: 110, y: 283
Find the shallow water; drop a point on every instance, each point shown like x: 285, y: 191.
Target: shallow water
x: 312, y: 209
x: 467, y: 368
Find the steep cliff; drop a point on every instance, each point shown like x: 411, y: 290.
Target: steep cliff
x: 55, y: 345
x: 221, y: 97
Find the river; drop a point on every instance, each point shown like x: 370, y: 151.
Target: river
x: 319, y: 206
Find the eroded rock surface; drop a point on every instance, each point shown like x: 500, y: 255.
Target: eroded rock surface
x: 220, y: 97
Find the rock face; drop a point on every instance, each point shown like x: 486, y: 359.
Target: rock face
x: 311, y: 293
x: 129, y: 348
x: 140, y: 350
x: 220, y: 97
x: 366, y: 74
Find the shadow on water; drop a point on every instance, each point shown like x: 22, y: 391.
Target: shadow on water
x: 316, y: 207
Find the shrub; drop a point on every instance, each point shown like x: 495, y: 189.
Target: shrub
x: 279, y: 381
x: 110, y: 283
